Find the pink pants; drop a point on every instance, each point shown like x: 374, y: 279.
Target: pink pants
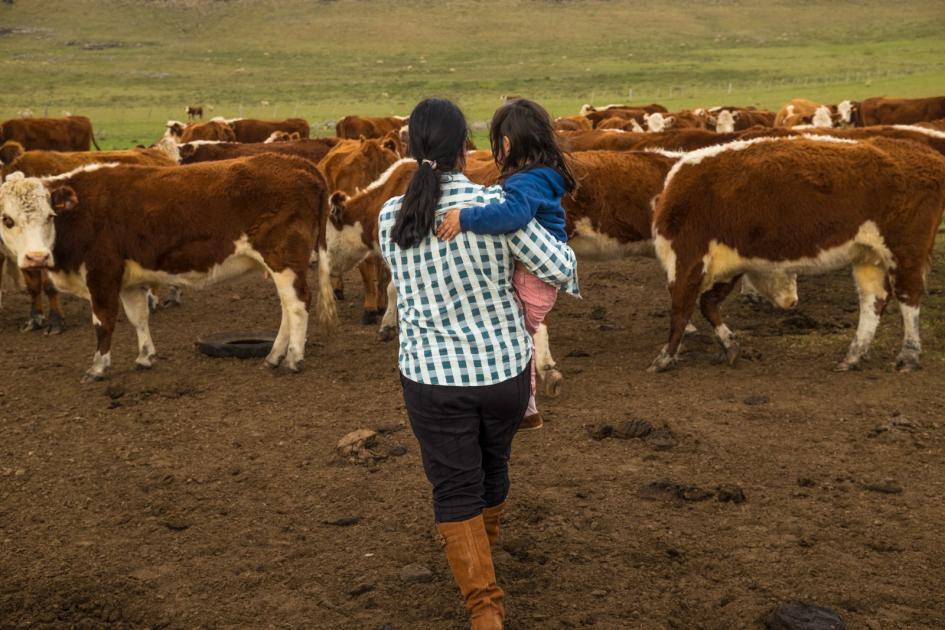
x: 536, y: 298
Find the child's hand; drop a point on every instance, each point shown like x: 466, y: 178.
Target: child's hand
x: 450, y: 226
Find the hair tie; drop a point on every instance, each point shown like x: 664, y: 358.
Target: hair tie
x: 431, y: 163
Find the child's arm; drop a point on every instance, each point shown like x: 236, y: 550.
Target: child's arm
x: 522, y: 200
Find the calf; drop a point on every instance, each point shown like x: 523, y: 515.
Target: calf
x: 72, y: 133
x: 800, y: 205
x: 106, y: 231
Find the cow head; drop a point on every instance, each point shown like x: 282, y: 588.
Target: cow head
x: 174, y: 129
x: 822, y: 117
x: 654, y: 122
x: 777, y: 287
x: 27, y: 212
x: 846, y: 109
x: 337, y: 203
x: 725, y: 122
x: 10, y: 151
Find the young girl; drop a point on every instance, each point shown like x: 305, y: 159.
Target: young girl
x: 534, y: 178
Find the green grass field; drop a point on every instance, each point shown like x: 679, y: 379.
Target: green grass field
x: 131, y: 65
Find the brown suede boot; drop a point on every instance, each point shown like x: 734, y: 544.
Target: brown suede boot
x: 470, y: 560
x: 491, y: 517
x: 533, y: 421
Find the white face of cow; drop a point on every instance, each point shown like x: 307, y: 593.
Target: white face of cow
x: 26, y: 221
x: 655, y: 122
x: 822, y: 117
x: 725, y: 122
x: 845, y: 108
x: 777, y: 287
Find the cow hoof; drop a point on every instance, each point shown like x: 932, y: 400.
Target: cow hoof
x: 690, y: 329
x: 272, y: 364
x: 33, y: 325
x: 368, y: 318
x: 386, y: 333
x: 92, y: 377
x: 846, y: 366
x: 143, y: 364
x: 731, y: 355
x: 339, y: 294
x: 908, y: 363
x: 553, y: 381
x: 662, y: 363
x: 170, y: 303
x: 53, y: 329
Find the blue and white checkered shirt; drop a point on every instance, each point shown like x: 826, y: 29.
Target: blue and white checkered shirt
x: 459, y: 321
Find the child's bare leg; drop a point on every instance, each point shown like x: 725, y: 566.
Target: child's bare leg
x: 537, y: 298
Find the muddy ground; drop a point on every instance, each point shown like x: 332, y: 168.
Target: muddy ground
x: 205, y: 492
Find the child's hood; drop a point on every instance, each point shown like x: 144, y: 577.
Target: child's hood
x: 549, y: 176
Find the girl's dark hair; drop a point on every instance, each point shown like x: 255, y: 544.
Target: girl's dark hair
x: 532, y: 138
x: 437, y: 136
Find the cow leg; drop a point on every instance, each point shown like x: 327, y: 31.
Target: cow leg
x: 910, y: 284
x: 871, y: 286
x: 338, y: 286
x: 56, y: 320
x: 136, y: 302
x: 545, y: 364
x: 371, y: 280
x: 389, y: 322
x: 709, y: 305
x: 104, y: 316
x: 152, y: 298
x: 295, y: 298
x: 684, y: 293
x: 34, y: 286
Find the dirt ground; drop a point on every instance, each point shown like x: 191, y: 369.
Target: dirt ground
x: 206, y: 493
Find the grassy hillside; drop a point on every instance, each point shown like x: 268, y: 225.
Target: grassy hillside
x: 130, y: 65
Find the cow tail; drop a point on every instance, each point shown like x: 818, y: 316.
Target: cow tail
x: 92, y: 135
x: 326, y: 313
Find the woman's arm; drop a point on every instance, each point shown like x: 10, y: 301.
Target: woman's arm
x: 545, y: 256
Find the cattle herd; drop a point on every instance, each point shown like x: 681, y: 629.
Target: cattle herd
x: 720, y: 196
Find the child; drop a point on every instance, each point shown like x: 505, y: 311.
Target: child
x: 534, y: 178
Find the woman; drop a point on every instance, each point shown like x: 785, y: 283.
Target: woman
x: 464, y: 349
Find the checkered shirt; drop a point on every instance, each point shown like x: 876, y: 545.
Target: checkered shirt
x: 458, y: 317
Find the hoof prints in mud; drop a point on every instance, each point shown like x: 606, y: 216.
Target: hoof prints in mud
x: 659, y: 439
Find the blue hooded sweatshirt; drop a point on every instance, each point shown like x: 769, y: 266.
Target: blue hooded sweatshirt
x: 532, y: 194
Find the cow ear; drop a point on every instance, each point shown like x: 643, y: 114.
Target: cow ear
x: 390, y: 144
x: 186, y: 150
x: 63, y: 199
x: 295, y: 135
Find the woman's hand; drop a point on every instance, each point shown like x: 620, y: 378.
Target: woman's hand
x: 450, y: 226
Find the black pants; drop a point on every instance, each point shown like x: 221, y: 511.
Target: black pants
x: 465, y: 436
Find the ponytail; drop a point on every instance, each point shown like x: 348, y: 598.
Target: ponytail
x: 438, y: 134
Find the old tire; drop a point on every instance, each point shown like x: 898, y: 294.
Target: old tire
x: 239, y: 345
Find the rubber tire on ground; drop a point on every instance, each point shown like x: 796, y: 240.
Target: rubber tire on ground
x: 240, y: 345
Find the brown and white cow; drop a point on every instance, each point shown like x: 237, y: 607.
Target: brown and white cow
x: 72, y: 133
x: 354, y: 127
x: 216, y: 129
x: 572, y: 123
x: 194, y: 111
x: 105, y: 232
x: 899, y: 111
x: 256, y: 130
x: 282, y: 136
x: 40, y: 163
x: 800, y: 205
x: 313, y: 149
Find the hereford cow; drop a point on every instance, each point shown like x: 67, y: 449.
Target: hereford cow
x: 621, y: 124
x: 899, y: 111
x: 72, y: 133
x: 313, y: 149
x: 282, y: 136
x: 203, y: 223
x: 354, y: 127
x: 216, y: 129
x: 255, y: 130
x: 798, y: 112
x: 572, y: 123
x: 194, y: 111
x: 353, y: 164
x: 801, y: 205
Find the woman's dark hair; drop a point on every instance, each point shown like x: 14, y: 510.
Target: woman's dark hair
x: 532, y: 140
x: 437, y: 136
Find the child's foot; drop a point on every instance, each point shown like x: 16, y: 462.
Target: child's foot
x: 531, y: 422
